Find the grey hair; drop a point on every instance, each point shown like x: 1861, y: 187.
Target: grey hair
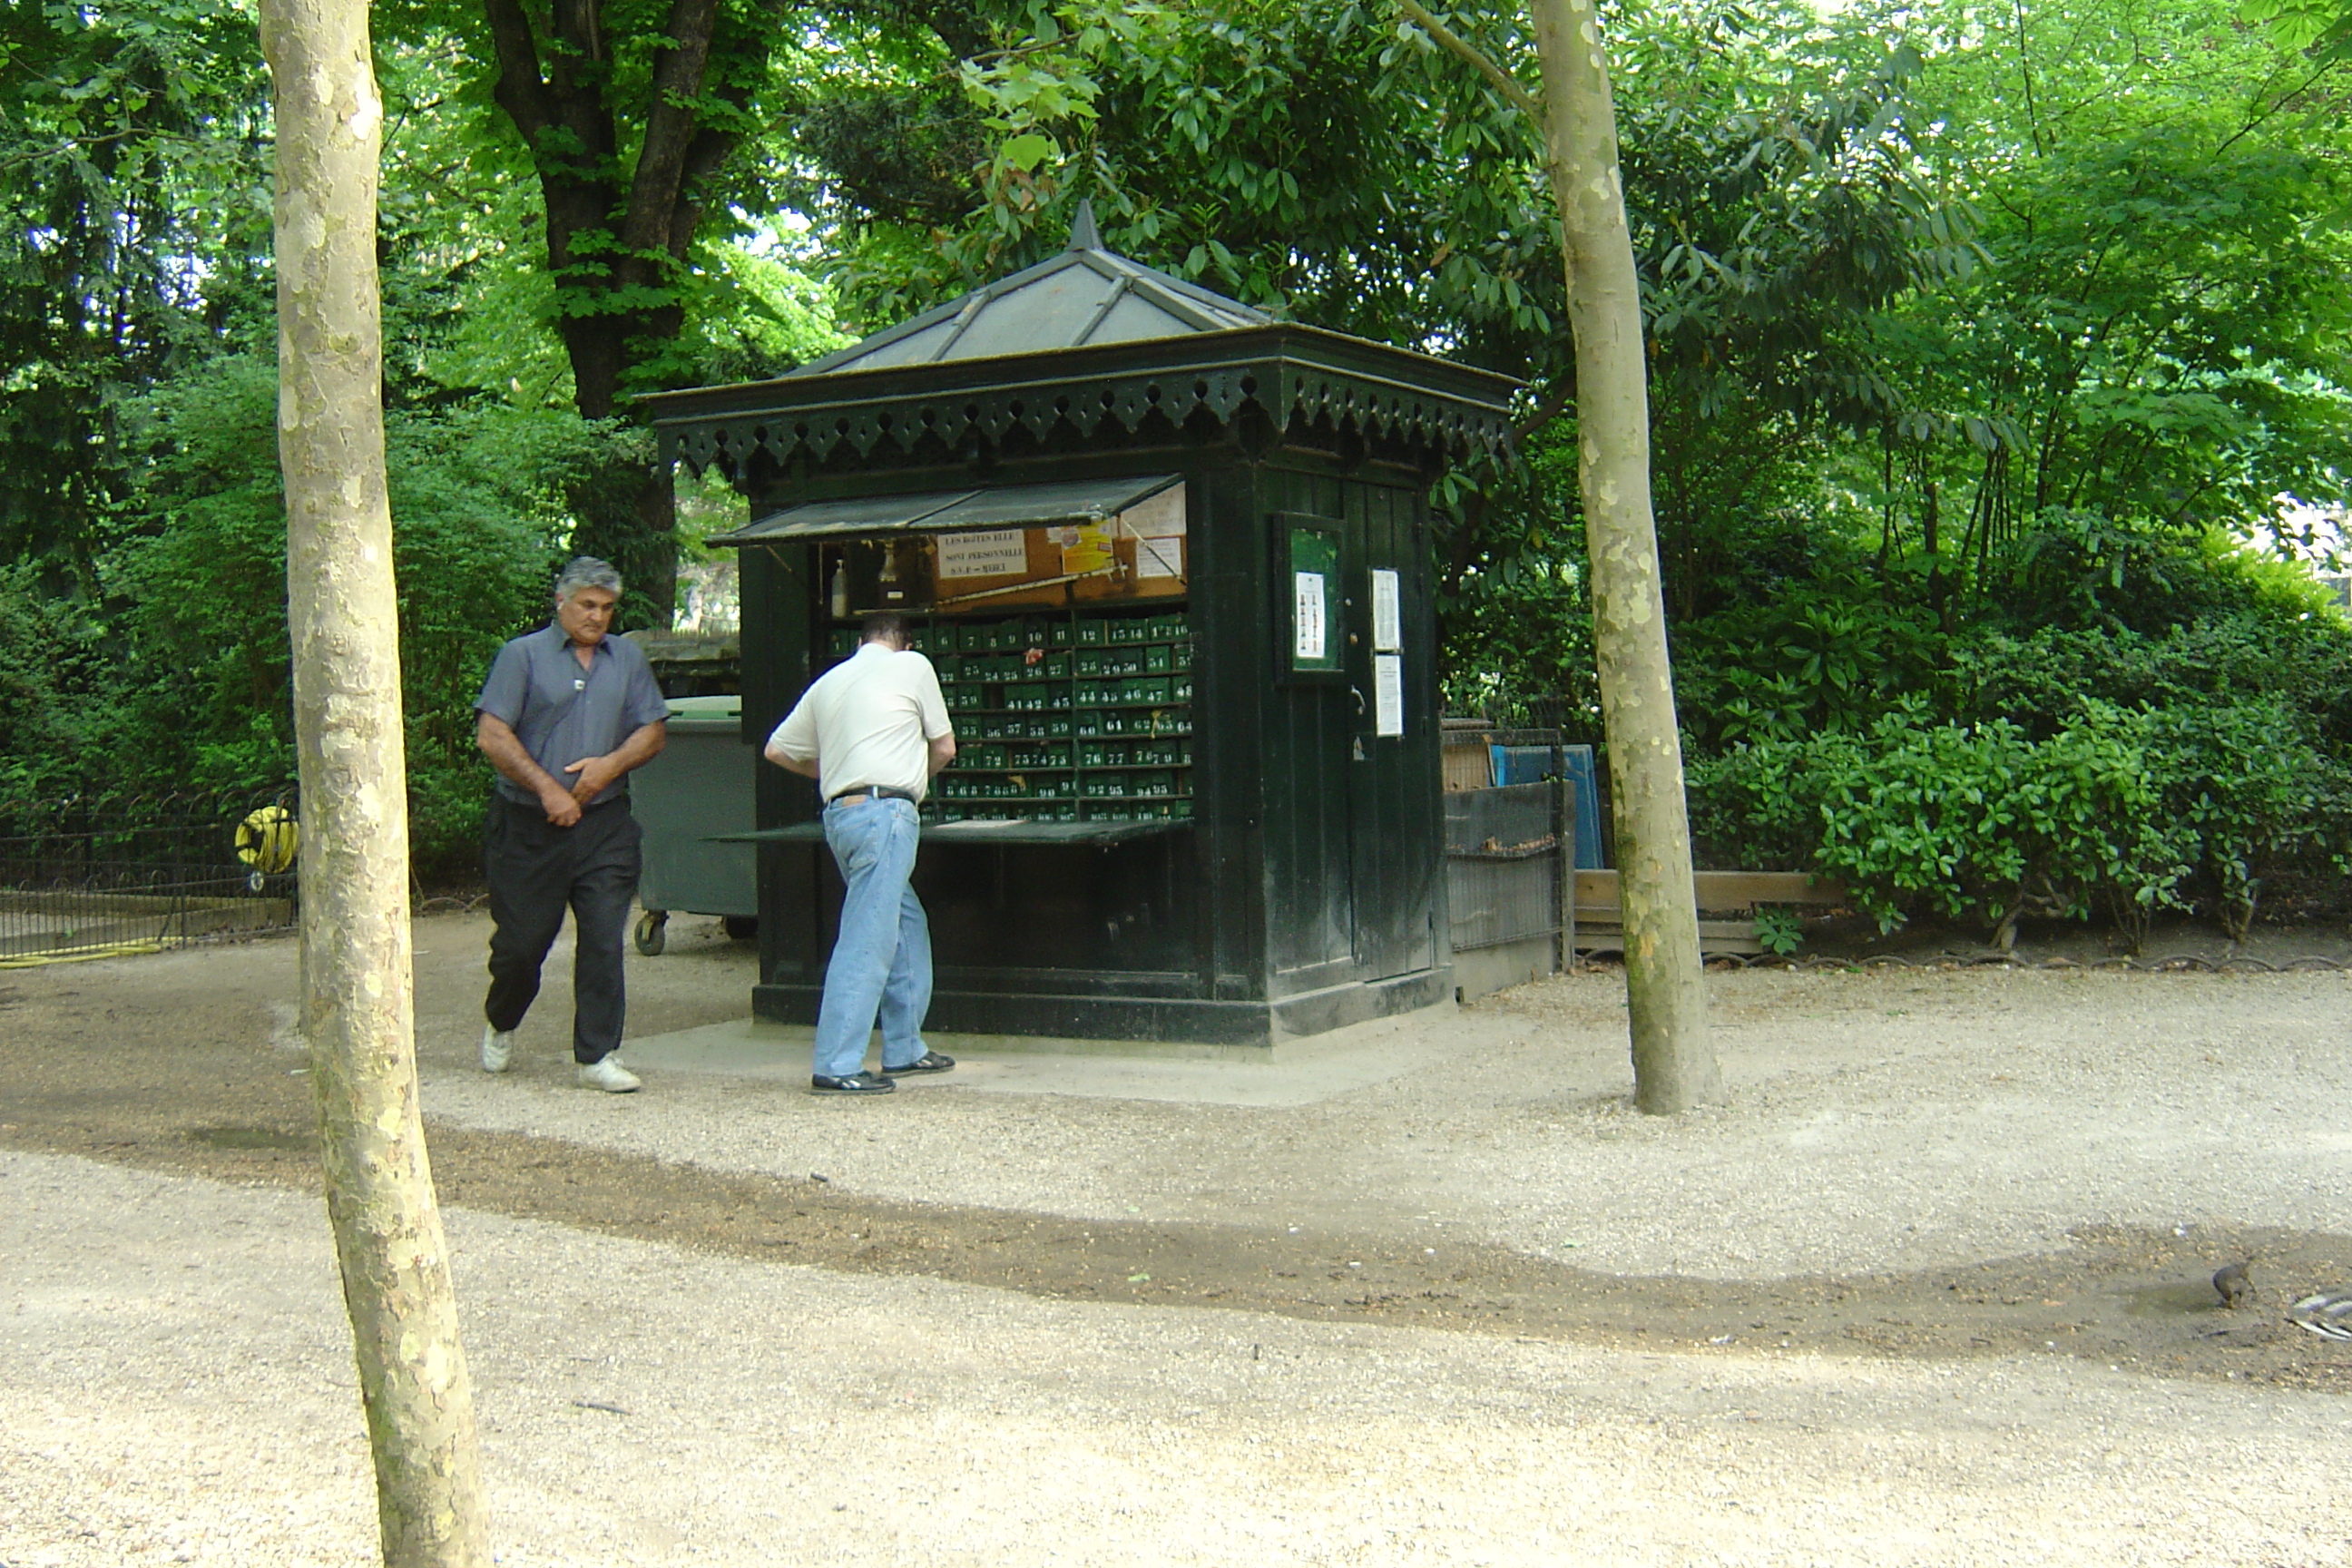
x: 586, y: 572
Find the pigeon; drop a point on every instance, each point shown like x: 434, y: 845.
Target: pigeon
x: 2327, y: 1314
x: 2233, y: 1285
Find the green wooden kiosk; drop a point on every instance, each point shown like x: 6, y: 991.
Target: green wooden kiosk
x: 1170, y: 558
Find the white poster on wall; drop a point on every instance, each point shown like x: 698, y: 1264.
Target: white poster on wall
x: 988, y: 553
x: 1388, y: 694
x: 1159, y: 557
x: 1156, y: 523
x: 1388, y: 624
x: 1160, y: 516
x: 1308, y: 617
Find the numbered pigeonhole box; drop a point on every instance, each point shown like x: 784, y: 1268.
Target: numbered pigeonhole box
x: 1187, y: 540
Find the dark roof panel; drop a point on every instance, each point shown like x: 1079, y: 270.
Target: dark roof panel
x: 1086, y: 295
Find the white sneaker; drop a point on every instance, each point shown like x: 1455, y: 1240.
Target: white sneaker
x: 498, y: 1048
x: 610, y: 1076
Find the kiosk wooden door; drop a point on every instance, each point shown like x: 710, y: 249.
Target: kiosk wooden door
x: 1393, y: 847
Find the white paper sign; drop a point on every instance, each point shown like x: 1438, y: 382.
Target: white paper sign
x: 990, y: 552
x: 1388, y: 694
x: 1388, y: 626
x: 1308, y: 616
x: 1157, y: 517
x: 1159, y: 557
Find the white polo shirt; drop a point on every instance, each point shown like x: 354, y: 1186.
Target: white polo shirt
x: 868, y: 723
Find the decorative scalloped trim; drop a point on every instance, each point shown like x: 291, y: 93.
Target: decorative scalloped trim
x: 1303, y: 397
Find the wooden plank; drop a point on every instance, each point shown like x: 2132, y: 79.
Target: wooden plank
x: 1722, y: 890
x: 1469, y: 764
x: 1714, y: 936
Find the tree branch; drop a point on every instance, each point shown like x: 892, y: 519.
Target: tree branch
x: 1555, y: 404
x: 709, y: 150
x: 671, y: 121
x: 520, y: 89
x: 1476, y: 58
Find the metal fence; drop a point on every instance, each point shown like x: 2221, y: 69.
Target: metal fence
x: 92, y: 876
x: 1503, y: 865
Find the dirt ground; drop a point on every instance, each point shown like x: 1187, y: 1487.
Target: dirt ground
x: 1933, y: 1173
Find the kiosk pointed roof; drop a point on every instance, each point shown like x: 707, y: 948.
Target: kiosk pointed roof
x: 1085, y: 296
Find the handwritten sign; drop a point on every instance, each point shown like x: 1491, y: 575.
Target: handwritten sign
x: 988, y: 553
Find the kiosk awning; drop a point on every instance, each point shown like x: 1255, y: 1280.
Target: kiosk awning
x: 936, y: 511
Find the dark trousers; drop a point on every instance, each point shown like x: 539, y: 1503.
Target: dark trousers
x: 535, y: 870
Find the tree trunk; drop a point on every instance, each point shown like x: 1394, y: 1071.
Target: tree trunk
x: 357, y: 1008
x: 1674, y: 1064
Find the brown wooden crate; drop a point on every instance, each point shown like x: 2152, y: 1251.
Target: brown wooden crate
x: 1469, y: 764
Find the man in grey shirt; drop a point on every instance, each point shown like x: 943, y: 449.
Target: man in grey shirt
x: 567, y: 711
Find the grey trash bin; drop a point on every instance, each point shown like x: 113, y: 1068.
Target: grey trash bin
x: 701, y: 784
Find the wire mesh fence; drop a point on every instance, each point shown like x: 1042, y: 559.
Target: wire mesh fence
x: 92, y: 876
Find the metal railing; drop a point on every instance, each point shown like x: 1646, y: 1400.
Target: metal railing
x: 94, y: 876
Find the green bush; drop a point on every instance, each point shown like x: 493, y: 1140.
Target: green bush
x: 2132, y: 811
x: 2250, y: 794
x: 55, y: 680
x: 1966, y: 821
x: 1825, y: 654
x: 195, y: 691
x: 2302, y: 667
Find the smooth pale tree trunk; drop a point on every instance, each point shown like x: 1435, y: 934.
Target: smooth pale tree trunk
x: 357, y: 1010
x: 1674, y: 1064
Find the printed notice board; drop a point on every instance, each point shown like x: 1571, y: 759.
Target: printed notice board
x: 1314, y: 597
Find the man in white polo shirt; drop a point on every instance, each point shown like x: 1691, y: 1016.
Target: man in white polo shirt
x: 873, y: 730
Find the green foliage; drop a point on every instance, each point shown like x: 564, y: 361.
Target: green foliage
x: 2129, y: 811
x: 194, y: 691
x: 1963, y: 821
x: 134, y: 216
x: 1521, y: 646
x: 1779, y: 929
x: 2251, y: 794
x: 1825, y: 653
x: 2322, y: 27
x: 54, y: 687
x: 2158, y: 344
x: 2035, y: 678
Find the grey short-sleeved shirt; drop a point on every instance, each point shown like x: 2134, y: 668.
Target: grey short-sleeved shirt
x: 563, y: 713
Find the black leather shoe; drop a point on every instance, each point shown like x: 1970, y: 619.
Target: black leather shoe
x: 929, y: 1061
x: 856, y: 1083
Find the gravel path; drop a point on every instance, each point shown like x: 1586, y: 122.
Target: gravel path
x: 1877, y: 1121
x: 174, y: 1380
x: 643, y: 1404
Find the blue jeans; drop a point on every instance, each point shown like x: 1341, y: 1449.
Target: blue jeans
x: 882, y: 956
